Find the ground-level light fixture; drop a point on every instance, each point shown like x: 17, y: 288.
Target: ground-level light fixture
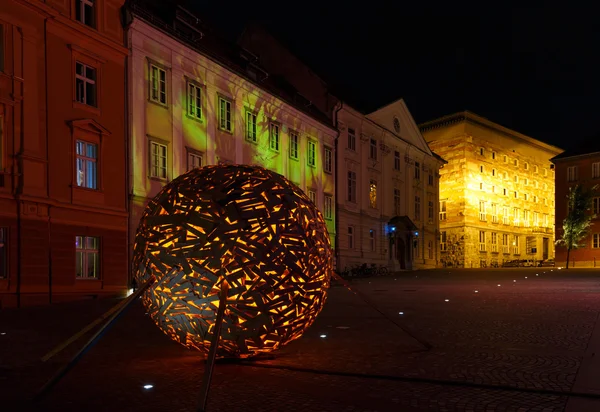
x: 148, y: 386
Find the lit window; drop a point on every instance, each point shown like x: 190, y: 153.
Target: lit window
x: 505, y: 246
x: 328, y: 160
x: 351, y: 139
x: 294, y: 143
x: 251, y: 127
x: 526, y: 218
x: 328, y: 207
x: 350, y: 237
x: 505, y: 217
x: 596, y: 240
x: 516, y: 214
x: 158, y: 84
x: 494, y: 242
x: 442, y: 210
x: 312, y: 153
x: 417, y: 170
x: 225, y: 114
x: 86, y: 156
x: 372, y: 239
x: 312, y: 195
x: 443, y: 241
x: 194, y: 101
x: 194, y: 160
x: 274, y: 137
x: 85, y: 84
x: 494, y: 213
x: 417, y: 208
x: 373, y: 194
x: 396, y: 160
x: 536, y: 219
x: 397, y: 201
x: 373, y: 150
x: 571, y: 173
x: 482, y: 213
x: 352, y: 186
x: 595, y: 170
x: 3, y: 252
x: 545, y: 220
x: 87, y: 258
x: 84, y: 12
x: 481, y: 241
x: 516, y: 248
x: 158, y: 160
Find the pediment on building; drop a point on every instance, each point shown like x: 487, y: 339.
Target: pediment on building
x: 88, y: 125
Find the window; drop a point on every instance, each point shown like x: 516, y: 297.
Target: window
x: 545, y: 202
x: 505, y: 176
x: 482, y: 214
x: 312, y: 153
x: 397, y: 202
x: 1, y: 48
x: 516, y: 179
x: 352, y: 187
x: 525, y: 181
x: 430, y: 179
x: 516, y: 194
x: 516, y: 245
x: 536, y: 219
x: 85, y: 84
x: 493, y: 172
x: 86, y: 256
x: 494, y: 155
x: 572, y: 173
x: 545, y: 221
x: 505, y: 192
x: 251, y: 127
x: 158, y: 84
x: 535, y: 199
x: 430, y: 249
x: 505, y: 158
x: 482, y: 151
x: 417, y: 208
x: 351, y: 139
x: 328, y: 160
x: 312, y: 195
x: 294, y: 143
x: 430, y: 211
x: 3, y: 252
x: 595, y: 241
x: 505, y: 217
x: 84, y: 12
x: 480, y: 168
x: 274, y: 137
x: 86, y: 157
x: 545, y: 172
x: 158, y: 160
x: 525, y: 196
x: 373, y: 150
x: 505, y: 246
x: 373, y: 194
x: 517, y: 162
x: 442, y: 210
x: 350, y: 237
x: 416, y: 248
x: 494, y: 213
x: 596, y: 206
x: 443, y: 246
x: 526, y: 166
x: 372, y: 239
x: 194, y: 160
x: 536, y: 184
x: 195, y: 101
x: 481, y: 186
x: 535, y: 169
x: 481, y: 241
x: 493, y: 189
x: 595, y: 170
x: 328, y: 207
x: 516, y: 214
x: 526, y: 218
x: 396, y: 160
x: 417, y: 170
x: 225, y: 115
x: 494, y: 242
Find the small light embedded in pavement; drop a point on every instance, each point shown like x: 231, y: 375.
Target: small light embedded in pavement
x: 514, y: 280
x: 323, y: 336
x: 476, y: 291
x: 498, y: 284
x: 148, y: 386
x: 400, y: 313
x: 525, y: 277
x: 2, y: 333
x: 446, y: 300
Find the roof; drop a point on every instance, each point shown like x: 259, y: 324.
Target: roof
x: 467, y: 116
x: 196, y: 34
x: 590, y: 146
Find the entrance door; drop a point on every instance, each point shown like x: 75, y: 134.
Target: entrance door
x: 401, y: 252
x: 545, y: 247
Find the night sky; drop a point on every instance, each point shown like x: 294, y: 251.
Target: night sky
x: 535, y: 70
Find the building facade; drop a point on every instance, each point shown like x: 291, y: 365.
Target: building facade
x: 388, y: 190
x: 387, y: 187
x: 581, y: 167
x: 63, y: 209
x: 190, y: 106
x: 496, y: 192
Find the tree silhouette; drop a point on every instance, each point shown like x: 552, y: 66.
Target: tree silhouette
x: 578, y: 221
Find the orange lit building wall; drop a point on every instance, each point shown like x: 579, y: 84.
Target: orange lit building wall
x: 497, y: 191
x: 587, y: 173
x: 42, y: 208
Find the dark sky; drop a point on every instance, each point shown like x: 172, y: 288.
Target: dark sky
x: 535, y: 70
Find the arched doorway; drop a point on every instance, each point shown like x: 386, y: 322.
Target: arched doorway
x: 401, y: 252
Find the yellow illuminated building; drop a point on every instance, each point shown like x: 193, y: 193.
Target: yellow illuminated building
x: 496, y: 192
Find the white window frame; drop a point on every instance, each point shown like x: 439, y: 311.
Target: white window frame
x: 85, y: 252
x: 328, y: 155
x: 312, y: 195
x: 81, y: 82
x: 443, y: 240
x: 373, y: 149
x: 194, y: 160
x: 596, y: 206
x: 251, y: 133
x: 443, y: 210
x: 328, y: 207
x: 516, y: 245
x: 158, y: 87
x: 505, y: 245
x: 82, y: 163
x: 596, y: 170
x: 294, y: 144
x: 274, y: 137
x: 482, y: 247
x: 351, y: 139
x: 351, y: 186
x: 505, y: 215
x: 312, y: 153
x: 596, y: 241
x: 81, y: 5
x: 396, y: 160
x: 158, y: 171
x: 482, y: 211
x: 572, y: 173
x: 225, y: 114
x: 350, y: 232
x: 494, y: 242
x: 494, y: 213
x: 194, y: 101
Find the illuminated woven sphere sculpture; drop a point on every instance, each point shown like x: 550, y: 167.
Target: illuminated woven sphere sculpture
x: 250, y: 227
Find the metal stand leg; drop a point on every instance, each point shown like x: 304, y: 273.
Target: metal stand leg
x: 212, y: 353
x: 93, y: 340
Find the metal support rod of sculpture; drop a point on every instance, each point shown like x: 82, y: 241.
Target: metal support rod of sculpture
x: 212, y: 353
x: 90, y: 343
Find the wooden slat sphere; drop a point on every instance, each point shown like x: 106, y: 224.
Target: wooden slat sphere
x: 248, y: 226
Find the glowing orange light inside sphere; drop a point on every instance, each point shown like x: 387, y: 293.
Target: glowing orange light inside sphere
x: 248, y: 226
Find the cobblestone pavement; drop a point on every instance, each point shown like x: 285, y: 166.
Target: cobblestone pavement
x: 503, y: 340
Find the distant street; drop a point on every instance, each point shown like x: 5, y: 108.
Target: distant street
x: 503, y: 340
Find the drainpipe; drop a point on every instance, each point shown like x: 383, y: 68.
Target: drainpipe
x: 335, y: 182
x: 47, y: 161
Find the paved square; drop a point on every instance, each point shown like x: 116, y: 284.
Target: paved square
x: 503, y: 340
